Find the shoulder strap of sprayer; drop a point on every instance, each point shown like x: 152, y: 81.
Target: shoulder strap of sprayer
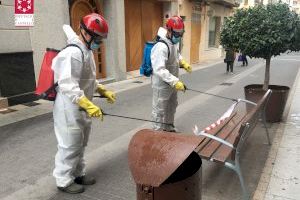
x: 82, y: 55
x: 75, y: 45
x: 162, y: 41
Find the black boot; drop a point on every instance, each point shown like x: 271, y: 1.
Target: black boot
x: 74, y: 188
x: 85, y: 180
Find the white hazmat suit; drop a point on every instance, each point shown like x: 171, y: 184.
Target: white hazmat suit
x: 72, y: 126
x: 164, y: 77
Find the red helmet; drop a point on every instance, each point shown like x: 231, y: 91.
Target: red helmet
x: 95, y: 25
x: 176, y: 24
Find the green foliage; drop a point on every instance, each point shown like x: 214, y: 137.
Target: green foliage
x: 262, y: 31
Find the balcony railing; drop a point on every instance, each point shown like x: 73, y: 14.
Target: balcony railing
x: 231, y: 3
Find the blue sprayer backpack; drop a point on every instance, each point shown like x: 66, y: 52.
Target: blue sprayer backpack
x: 146, y: 67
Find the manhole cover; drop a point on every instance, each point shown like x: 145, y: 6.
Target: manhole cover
x: 138, y: 82
x: 226, y: 84
x: 31, y: 104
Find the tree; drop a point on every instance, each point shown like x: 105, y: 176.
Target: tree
x: 263, y: 31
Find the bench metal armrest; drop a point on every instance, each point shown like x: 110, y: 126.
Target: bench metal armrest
x: 202, y: 133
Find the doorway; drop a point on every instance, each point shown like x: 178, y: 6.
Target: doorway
x: 78, y: 9
x: 142, y: 20
x: 195, y: 37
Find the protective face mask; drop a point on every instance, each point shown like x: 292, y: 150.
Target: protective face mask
x: 94, y: 46
x: 175, y: 40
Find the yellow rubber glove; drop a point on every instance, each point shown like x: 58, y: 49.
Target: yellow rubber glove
x: 179, y: 86
x: 110, y: 95
x: 90, y: 108
x: 185, y: 65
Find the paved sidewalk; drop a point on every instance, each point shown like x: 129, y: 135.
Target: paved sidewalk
x: 280, y: 179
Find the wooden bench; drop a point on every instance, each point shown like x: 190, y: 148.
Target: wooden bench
x: 223, y: 143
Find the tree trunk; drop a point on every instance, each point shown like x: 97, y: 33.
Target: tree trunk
x: 267, y: 74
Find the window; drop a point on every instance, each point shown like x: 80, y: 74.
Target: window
x: 214, y: 31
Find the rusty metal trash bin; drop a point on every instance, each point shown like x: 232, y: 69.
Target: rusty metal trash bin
x: 164, y: 165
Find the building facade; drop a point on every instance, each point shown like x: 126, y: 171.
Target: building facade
x: 295, y: 4
x: 216, y: 12
x: 251, y: 3
x: 22, y: 48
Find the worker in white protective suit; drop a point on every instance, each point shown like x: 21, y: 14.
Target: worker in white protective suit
x: 166, y: 61
x: 75, y: 72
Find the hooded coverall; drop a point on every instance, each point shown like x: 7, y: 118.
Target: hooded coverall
x: 164, y: 77
x: 75, y: 77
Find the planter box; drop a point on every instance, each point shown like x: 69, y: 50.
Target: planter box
x: 277, y: 101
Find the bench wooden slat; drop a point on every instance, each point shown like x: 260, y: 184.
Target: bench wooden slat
x: 212, y: 146
x: 235, y: 131
x: 214, y: 131
x: 224, y: 153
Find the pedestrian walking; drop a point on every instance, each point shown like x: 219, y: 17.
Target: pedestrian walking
x: 74, y: 71
x: 244, y: 59
x: 229, y: 59
x: 166, y: 60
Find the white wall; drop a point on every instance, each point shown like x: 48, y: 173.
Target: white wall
x: 49, y: 16
x: 115, y: 48
x: 12, y: 39
x: 186, y: 10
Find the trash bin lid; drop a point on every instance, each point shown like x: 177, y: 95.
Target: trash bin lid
x: 154, y: 155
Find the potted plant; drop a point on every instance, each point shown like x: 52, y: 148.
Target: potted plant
x: 264, y: 31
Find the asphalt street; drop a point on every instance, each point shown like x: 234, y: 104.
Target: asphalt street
x: 27, y: 148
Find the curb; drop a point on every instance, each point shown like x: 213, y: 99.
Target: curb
x: 265, y: 177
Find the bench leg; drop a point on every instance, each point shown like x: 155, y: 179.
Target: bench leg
x: 236, y: 167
